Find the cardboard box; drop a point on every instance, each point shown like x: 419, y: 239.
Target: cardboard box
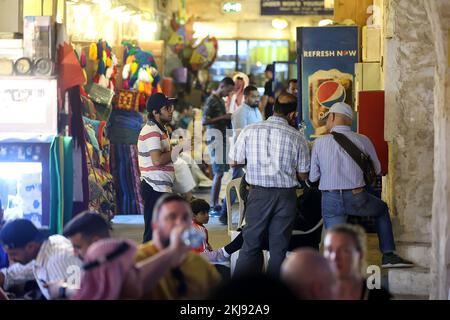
x: 371, y: 44
x: 39, y: 37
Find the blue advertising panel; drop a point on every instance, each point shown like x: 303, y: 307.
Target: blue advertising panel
x: 294, y: 7
x: 327, y: 58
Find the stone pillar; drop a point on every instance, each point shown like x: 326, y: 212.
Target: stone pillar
x: 438, y: 12
x: 409, y: 64
x: 417, y: 85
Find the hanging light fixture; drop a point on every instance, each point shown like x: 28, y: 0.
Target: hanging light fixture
x: 325, y: 22
x: 279, y: 24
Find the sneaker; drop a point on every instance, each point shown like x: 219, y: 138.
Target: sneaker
x: 215, y: 211
x: 391, y: 260
x: 216, y: 256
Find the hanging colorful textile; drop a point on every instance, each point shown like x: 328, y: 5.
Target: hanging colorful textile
x: 125, y: 170
x: 61, y: 183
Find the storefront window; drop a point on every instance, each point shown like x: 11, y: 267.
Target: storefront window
x: 225, y: 63
x: 251, y: 57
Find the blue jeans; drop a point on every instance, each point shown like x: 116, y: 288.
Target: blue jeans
x: 337, y: 205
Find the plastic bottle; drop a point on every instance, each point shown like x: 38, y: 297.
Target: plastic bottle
x: 193, y: 237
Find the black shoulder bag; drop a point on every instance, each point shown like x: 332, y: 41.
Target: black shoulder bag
x: 363, y: 160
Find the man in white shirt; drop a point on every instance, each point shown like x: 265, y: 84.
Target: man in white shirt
x: 245, y: 115
x: 37, y: 258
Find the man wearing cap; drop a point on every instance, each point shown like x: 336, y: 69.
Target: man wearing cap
x: 37, y: 258
x: 155, y: 157
x: 342, y: 182
x: 276, y: 157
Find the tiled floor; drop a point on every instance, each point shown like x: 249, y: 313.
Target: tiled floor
x: 132, y: 227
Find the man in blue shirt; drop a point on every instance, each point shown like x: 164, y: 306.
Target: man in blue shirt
x: 245, y: 115
x: 248, y: 113
x: 342, y: 182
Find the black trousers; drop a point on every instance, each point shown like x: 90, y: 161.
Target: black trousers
x: 150, y: 197
x: 268, y: 211
x: 297, y: 241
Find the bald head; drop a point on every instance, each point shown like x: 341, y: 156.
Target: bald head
x: 309, y: 275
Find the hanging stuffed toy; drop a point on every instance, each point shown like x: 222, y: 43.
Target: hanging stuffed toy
x: 195, y: 54
x: 204, y: 54
x: 140, y: 71
x: 105, y: 64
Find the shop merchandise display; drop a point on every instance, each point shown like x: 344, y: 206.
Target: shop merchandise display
x: 195, y: 54
x: 140, y: 71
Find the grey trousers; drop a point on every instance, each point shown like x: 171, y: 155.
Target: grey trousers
x: 268, y: 211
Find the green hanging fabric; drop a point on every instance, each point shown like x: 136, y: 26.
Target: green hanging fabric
x: 61, y: 183
x: 68, y: 180
x: 55, y: 186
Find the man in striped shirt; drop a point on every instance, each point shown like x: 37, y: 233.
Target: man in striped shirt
x: 37, y: 258
x: 155, y: 157
x: 277, y: 156
x: 342, y: 182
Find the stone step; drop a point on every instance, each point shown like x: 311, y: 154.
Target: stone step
x: 419, y: 253
x: 409, y: 282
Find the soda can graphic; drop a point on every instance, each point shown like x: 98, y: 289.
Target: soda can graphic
x: 327, y: 87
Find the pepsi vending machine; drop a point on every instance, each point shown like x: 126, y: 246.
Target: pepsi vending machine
x: 28, y: 125
x: 326, y: 69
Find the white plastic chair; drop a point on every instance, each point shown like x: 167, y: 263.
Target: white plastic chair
x: 234, y: 184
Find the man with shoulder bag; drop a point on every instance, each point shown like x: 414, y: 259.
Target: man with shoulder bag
x: 346, y: 162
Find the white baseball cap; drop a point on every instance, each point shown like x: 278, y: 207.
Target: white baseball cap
x: 342, y: 108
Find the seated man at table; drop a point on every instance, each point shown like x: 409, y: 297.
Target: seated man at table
x: 45, y: 260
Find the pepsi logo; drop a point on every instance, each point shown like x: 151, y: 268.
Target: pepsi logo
x: 329, y: 93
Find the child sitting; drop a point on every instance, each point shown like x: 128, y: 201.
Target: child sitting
x: 200, y: 217
x: 200, y: 209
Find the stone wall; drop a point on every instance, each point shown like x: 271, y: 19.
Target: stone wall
x: 439, y: 17
x: 409, y: 83
x: 417, y: 85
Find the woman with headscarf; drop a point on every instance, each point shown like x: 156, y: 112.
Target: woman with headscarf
x: 110, y: 271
